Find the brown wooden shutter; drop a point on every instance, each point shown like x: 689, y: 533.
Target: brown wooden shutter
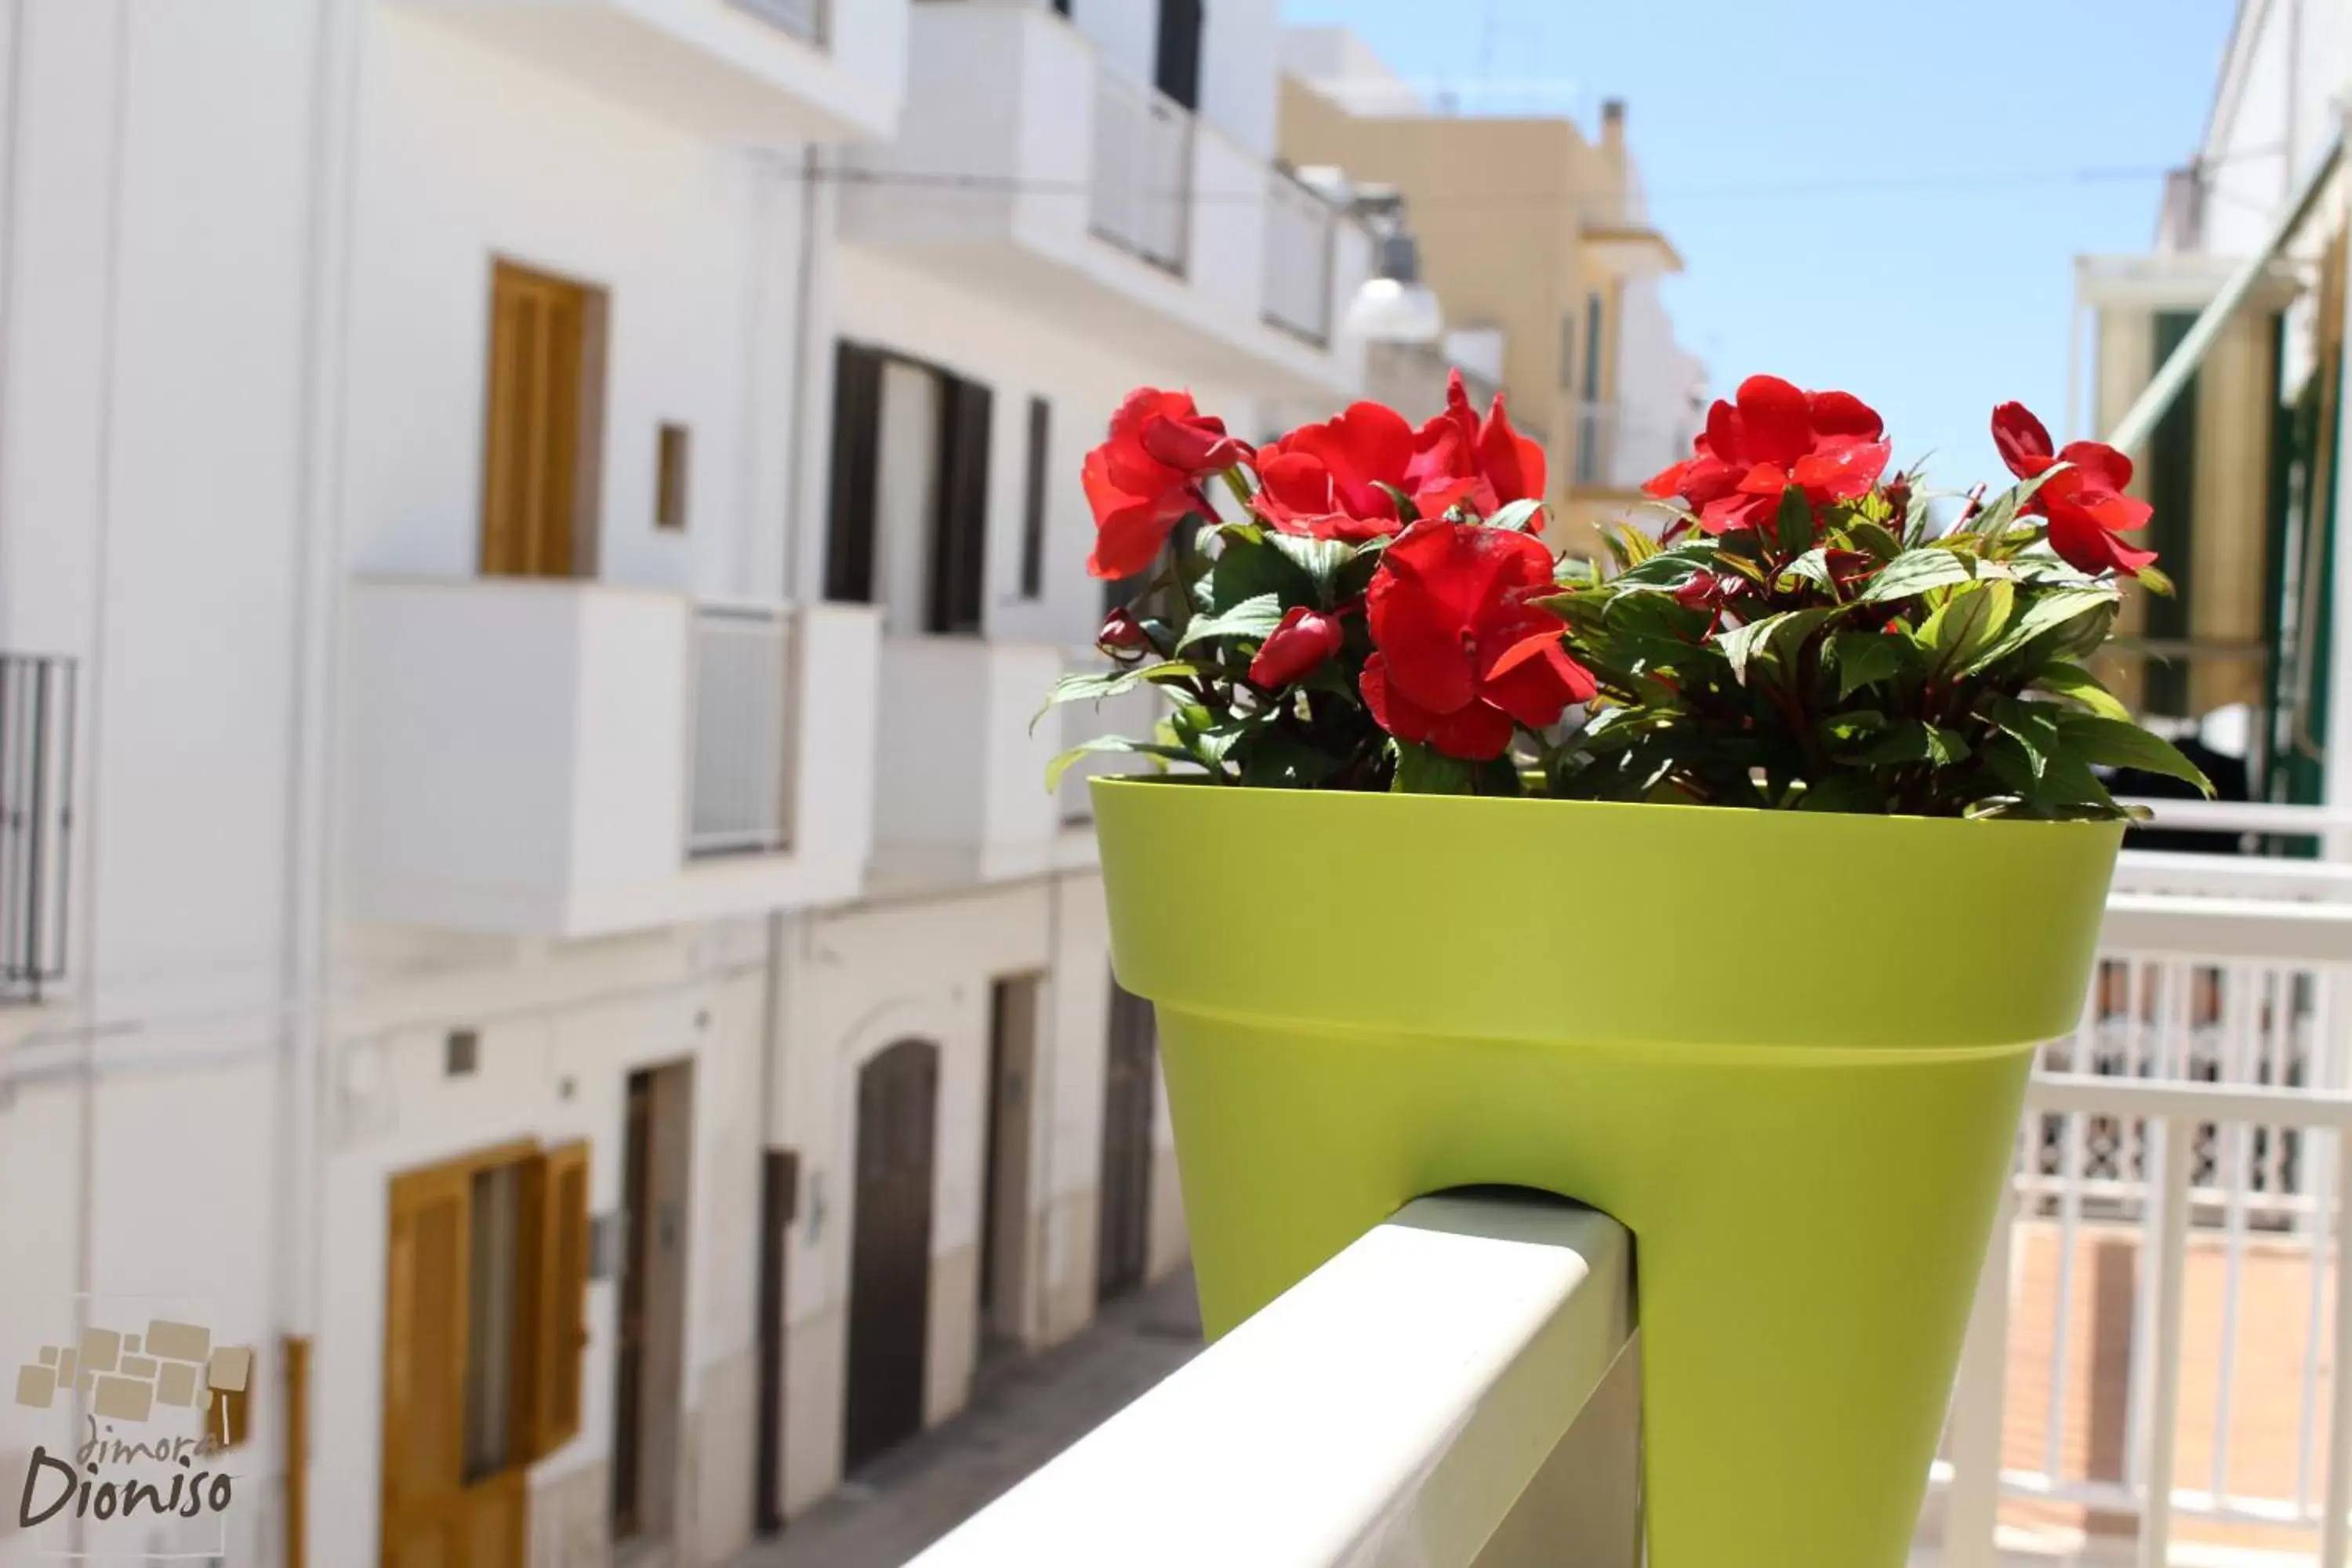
x: 960, y: 535
x: 531, y: 423
x: 554, y: 1296
x: 856, y: 456
x: 423, y: 1361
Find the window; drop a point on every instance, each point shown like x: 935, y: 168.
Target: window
x: 542, y: 424
x: 1033, y: 500
x: 490, y: 1312
x: 960, y: 527
x: 1593, y: 316
x: 669, y: 479
x: 1177, y: 65
x: 911, y: 474
x: 856, y: 450
x: 1569, y: 378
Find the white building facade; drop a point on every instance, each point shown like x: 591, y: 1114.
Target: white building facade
x: 532, y: 533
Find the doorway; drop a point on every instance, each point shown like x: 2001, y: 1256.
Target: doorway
x: 1004, y: 1214
x: 484, y: 1296
x: 890, y: 1249
x: 649, y: 1350
x: 780, y: 1183
x: 542, y: 424
x: 1123, y: 1238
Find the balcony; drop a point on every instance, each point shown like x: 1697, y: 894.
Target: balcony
x: 1029, y: 170
x: 2158, y: 1368
x: 734, y: 71
x: 960, y: 781
x: 566, y: 759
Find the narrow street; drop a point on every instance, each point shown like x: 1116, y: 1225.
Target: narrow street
x: 1021, y: 1417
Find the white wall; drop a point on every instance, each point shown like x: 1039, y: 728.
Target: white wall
x: 861, y: 980
x: 467, y: 155
x: 2274, y: 112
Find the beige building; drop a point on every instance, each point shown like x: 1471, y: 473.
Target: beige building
x: 1526, y: 226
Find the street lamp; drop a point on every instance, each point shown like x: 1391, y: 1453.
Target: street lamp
x: 1394, y: 305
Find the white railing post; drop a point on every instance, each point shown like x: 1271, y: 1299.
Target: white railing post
x: 2335, y: 1524
x: 2161, y: 1413
x: 1972, y: 1506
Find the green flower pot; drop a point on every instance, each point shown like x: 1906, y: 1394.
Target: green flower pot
x: 1786, y: 1049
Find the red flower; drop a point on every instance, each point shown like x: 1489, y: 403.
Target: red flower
x: 1296, y: 647
x: 1329, y: 479
x: 1503, y: 465
x: 1146, y: 476
x: 2085, y: 503
x: 1828, y: 444
x: 1463, y: 656
x: 1121, y: 633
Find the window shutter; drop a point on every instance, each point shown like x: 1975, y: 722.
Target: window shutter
x: 1178, y: 70
x: 857, y: 441
x: 959, y: 536
x: 1033, y: 499
x: 555, y: 1298
x: 424, y: 1358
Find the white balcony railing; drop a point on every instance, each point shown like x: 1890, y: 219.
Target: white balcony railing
x: 1141, y: 190
x: 742, y: 728
x: 1299, y: 229
x: 1458, y: 1386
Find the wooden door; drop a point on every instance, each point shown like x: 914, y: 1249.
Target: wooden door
x: 890, y: 1249
x: 1123, y: 1238
x: 538, y: 424
x: 437, y: 1515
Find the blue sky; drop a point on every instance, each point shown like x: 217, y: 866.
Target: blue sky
x: 1939, y: 290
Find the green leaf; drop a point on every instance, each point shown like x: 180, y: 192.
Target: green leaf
x: 1426, y: 770
x: 2080, y: 686
x: 1913, y: 573
x: 1321, y: 560
x: 1781, y: 635
x: 1864, y: 658
x: 1099, y: 686
x: 1061, y: 764
x: 2045, y: 610
x: 1739, y: 644
x: 2033, y: 726
x: 1913, y: 741
x: 1630, y: 546
x: 2117, y: 743
x: 1793, y: 523
x: 1968, y: 621
x: 1519, y: 517
x: 2001, y: 514
x: 1812, y: 566
x: 1283, y: 762
x: 1253, y: 618
x: 1251, y: 566
x: 1873, y: 538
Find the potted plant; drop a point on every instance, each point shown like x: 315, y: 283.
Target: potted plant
x: 1727, y: 887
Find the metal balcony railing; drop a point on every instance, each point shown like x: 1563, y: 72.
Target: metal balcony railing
x: 1299, y: 228
x: 742, y: 730
x: 37, y: 712
x: 1141, y: 194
